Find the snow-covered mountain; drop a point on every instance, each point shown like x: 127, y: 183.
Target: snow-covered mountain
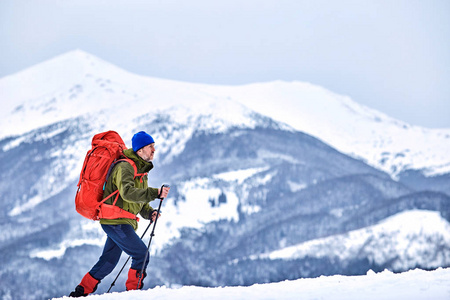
x: 245, y: 186
x: 383, y: 242
x: 383, y: 142
x: 77, y: 83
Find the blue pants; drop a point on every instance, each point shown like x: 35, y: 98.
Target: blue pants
x: 120, y: 238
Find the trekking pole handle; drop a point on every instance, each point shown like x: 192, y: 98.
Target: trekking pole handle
x: 161, y: 190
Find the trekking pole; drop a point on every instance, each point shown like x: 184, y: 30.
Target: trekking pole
x: 114, y: 282
x: 151, y: 237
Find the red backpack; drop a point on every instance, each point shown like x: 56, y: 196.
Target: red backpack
x: 107, y: 148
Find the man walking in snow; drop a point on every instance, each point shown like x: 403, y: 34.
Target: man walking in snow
x: 134, y: 197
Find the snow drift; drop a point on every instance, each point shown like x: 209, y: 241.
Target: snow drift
x: 412, y: 285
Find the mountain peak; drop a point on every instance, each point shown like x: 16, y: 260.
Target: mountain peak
x: 49, y: 76
x: 77, y: 84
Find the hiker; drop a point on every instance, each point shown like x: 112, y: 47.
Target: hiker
x: 133, y: 198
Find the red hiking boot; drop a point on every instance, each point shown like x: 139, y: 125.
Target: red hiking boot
x: 87, y: 285
x: 135, y: 277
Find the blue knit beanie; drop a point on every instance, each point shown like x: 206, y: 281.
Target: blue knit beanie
x: 141, y: 139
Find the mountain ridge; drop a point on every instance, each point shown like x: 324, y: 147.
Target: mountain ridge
x: 361, y: 132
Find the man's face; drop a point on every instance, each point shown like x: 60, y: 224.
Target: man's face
x: 147, y: 152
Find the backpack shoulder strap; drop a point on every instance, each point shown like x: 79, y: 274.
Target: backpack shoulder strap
x: 132, y: 163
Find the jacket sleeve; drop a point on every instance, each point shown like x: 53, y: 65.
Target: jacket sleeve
x: 146, y: 212
x: 124, y: 181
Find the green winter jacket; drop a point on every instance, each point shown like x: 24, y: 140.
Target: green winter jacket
x: 134, y: 194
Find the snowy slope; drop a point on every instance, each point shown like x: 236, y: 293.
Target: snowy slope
x: 76, y: 83
x: 406, y: 240
x: 383, y: 142
x: 412, y: 285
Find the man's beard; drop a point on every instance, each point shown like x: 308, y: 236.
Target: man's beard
x: 148, y: 158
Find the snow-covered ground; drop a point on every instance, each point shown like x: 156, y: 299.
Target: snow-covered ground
x: 412, y: 285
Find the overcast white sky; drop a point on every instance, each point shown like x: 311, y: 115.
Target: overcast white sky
x: 391, y: 55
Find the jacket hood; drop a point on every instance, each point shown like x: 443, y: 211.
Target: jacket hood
x: 142, y: 165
